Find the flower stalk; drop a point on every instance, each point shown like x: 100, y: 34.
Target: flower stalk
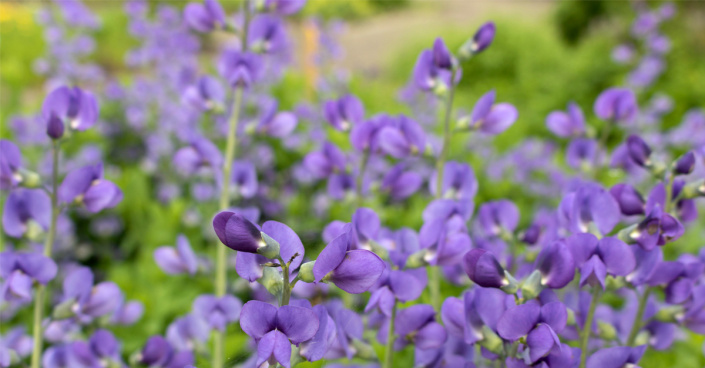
x: 587, y: 328
x: 636, y: 326
x: 389, y: 348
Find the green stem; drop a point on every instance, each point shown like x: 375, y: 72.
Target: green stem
x: 286, y: 290
x: 388, y: 350
x: 359, y: 179
x: 434, y: 282
x: 587, y: 328
x: 37, y: 332
x: 636, y: 326
x: 669, y: 194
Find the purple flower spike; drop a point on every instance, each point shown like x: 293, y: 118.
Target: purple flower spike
x: 491, y: 118
x: 567, y: 124
x: 218, y: 312
x: 498, y: 217
x: 638, y: 150
x: 177, y: 260
x: 77, y: 109
x: 240, y: 68
x: 10, y: 165
x: 630, y: 201
x: 344, y: 113
x: 616, y: 357
x: 205, y: 17
x: 88, y: 187
x: 616, y: 104
x: 483, y: 269
x: 24, y: 206
x: 237, y: 233
x: 556, y: 264
x: 406, y: 137
x: 354, y: 271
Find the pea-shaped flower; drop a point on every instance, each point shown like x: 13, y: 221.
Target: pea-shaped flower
x: 158, y: 352
x: 267, y: 34
x: 101, y: 348
x: 238, y: 233
x: 354, y: 271
x: 204, y: 17
x: 23, y: 208
x: 177, y: 260
x: 539, y: 323
x: 344, y: 113
x: 598, y: 258
x: 77, y: 109
x: 20, y: 270
x: 240, y: 68
x: 488, y: 117
x: 482, y: 268
x: 402, y: 139
x: 417, y: 325
x: 12, y: 172
x: 556, y: 265
x: 498, y: 217
x: 275, y: 329
x: 217, y: 311
x: 570, y: 123
x: 87, y: 186
x: 616, y: 104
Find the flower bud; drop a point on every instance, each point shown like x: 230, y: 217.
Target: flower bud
x: 55, y: 127
x: 606, y: 330
x: 670, y: 314
x: 685, y: 164
x: 483, y: 269
x: 417, y: 260
x: 272, y: 281
x: 639, y: 151
x: 29, y: 179
x: 480, y: 41
x: 306, y: 272
x: 491, y: 341
x: 694, y: 189
x: 271, y: 247
x: 531, y: 287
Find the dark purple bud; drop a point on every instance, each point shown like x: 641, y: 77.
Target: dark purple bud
x: 441, y: 56
x: 55, y: 127
x: 532, y: 234
x: 483, y: 269
x: 630, y: 201
x: 480, y: 41
x: 638, y: 150
x: 556, y: 264
x: 616, y: 104
x: 237, y: 233
x: 685, y: 164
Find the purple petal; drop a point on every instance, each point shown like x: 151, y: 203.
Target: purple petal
x: 289, y: 242
x: 274, y: 345
x: 297, y: 323
x: 593, y: 272
x: 405, y: 286
x: 617, y: 256
x: 257, y: 318
x: 499, y: 119
x: 518, y: 321
x: 540, y: 341
x: 358, y: 271
x: 332, y: 255
x: 555, y: 315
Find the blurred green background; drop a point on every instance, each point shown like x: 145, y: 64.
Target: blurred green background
x: 545, y: 55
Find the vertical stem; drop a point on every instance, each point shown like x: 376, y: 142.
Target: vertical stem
x: 669, y: 194
x: 388, y: 350
x: 360, y: 176
x: 636, y: 326
x: 587, y: 328
x: 40, y: 298
x: 286, y: 290
x: 434, y: 282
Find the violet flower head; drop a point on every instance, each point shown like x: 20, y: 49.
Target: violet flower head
x: 88, y: 301
x: 77, y: 109
x: 488, y: 117
x: 101, y: 348
x: 217, y: 311
x: 205, y: 17
x: 329, y: 160
x: 250, y: 266
x: 483, y: 269
x: 590, y: 207
x: 10, y: 165
x: 556, y: 265
x: 274, y: 123
x: 417, y: 325
x: 266, y: 34
x: 354, y: 271
x: 658, y: 227
x: 207, y: 94
x: 23, y: 209
x: 198, y: 154
x: 639, y: 150
x: 177, y: 260
x: 365, y: 228
x: 19, y: 271
x: 401, y: 184
x: 685, y: 164
x: 582, y: 153
x: 599, y: 258
x: 188, y: 332
x: 498, y: 217
x: 244, y: 178
x: 344, y: 113
x: 86, y: 186
x: 275, y: 329
x: 616, y: 104
x: 630, y: 201
x: 458, y: 182
x: 479, y: 42
x: 433, y: 69
x: 240, y: 68
x: 402, y: 139
x: 570, y: 123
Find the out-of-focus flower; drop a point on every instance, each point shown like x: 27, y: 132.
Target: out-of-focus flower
x: 87, y: 187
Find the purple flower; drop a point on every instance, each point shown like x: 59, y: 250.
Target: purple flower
x: 244, y: 178
x: 275, y: 329
x: 556, y: 265
x: 483, y: 269
x: 55, y: 127
x: 401, y: 184
x: 403, y: 138
x: 540, y: 325
x: 567, y: 124
x: 205, y: 17
x: 240, y: 68
x: 354, y: 271
x: 206, y: 94
x: 442, y: 58
x: 416, y: 325
x: 76, y: 108
x: 217, y: 311
x: 20, y: 270
x: 428, y: 76
x: 328, y: 161
x: 490, y: 118
x: 283, y: 7
x: 498, y: 217
x: 590, y: 206
x: 365, y: 135
x: 266, y: 34
x: 459, y: 182
x: 365, y: 228
x: 344, y: 113
x: 14, y: 342
x: 23, y: 208
x: 128, y: 313
x: 639, y: 151
x: 238, y: 233
x: 685, y: 164
x: 315, y: 348
x: 10, y: 165
x: 582, y: 152
x: 88, y: 187
x: 86, y: 300
x: 616, y: 357
x: 275, y: 123
x: 101, y: 348
x: 598, y: 258
x: 188, y: 333
x: 198, y: 154
x: 177, y: 260
x: 616, y: 104
x: 629, y: 199
x: 250, y: 266
x: 479, y: 42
